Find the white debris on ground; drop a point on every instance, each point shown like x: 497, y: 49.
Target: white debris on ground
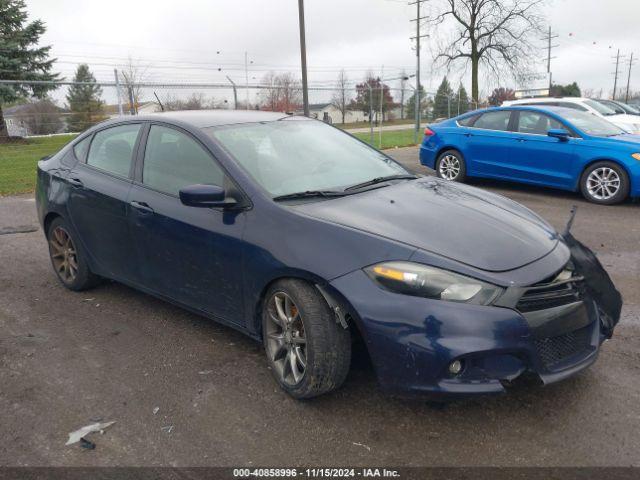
x: 74, y: 437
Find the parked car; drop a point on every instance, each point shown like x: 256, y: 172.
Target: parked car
x: 551, y: 146
x: 619, y: 108
x: 303, y: 237
x: 628, y: 123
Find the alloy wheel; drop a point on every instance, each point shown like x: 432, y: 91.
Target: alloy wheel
x: 285, y: 338
x: 449, y: 167
x: 603, y: 183
x: 63, y: 255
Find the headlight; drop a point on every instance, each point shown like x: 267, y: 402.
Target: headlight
x: 422, y: 281
x: 636, y: 156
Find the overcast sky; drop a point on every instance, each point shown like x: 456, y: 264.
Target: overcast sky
x: 180, y: 41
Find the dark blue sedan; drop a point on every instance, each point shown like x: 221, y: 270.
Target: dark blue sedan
x: 551, y: 146
x: 307, y: 239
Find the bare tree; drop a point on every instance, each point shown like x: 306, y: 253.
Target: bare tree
x: 282, y: 93
x: 341, y: 97
x: 131, y: 76
x: 497, y: 34
x: 42, y: 117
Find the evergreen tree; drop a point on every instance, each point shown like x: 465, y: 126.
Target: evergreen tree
x: 411, y: 104
x: 462, y: 101
x: 20, y: 58
x: 443, y: 101
x: 84, y: 101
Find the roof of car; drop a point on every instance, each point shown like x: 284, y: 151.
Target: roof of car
x: 213, y: 118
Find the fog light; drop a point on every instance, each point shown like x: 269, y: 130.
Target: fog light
x: 455, y: 367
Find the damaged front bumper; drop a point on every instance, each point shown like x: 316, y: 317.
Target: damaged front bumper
x: 551, y: 330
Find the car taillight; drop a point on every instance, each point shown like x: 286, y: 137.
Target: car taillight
x: 428, y: 132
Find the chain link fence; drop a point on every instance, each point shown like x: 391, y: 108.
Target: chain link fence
x: 377, y: 114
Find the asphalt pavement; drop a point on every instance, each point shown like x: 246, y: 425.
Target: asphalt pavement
x: 185, y: 391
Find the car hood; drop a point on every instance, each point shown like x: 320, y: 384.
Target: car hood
x: 468, y: 225
x: 626, y: 138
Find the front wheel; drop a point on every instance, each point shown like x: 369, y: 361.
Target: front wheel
x: 309, y: 353
x: 605, y: 183
x: 451, y: 166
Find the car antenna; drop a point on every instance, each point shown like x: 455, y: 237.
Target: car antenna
x: 572, y: 215
x: 159, y: 102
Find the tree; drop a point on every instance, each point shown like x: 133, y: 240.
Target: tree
x: 84, y: 101
x: 341, y: 97
x: 370, y: 90
x: 500, y: 95
x: 131, y: 76
x: 283, y: 93
x: 492, y: 33
x: 443, y: 106
x: 42, y: 117
x: 21, y: 58
x: 462, y: 100
x: 424, y: 104
x: 570, y: 90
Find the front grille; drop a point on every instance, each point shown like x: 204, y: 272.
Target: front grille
x: 555, y: 349
x: 549, y: 295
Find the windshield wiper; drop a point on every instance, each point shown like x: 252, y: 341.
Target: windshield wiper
x: 309, y: 194
x: 376, y: 180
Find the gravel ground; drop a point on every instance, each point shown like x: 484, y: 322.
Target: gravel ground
x: 67, y: 359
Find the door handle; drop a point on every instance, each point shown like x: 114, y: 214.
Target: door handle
x: 468, y: 135
x: 75, y: 182
x: 521, y: 139
x: 142, y: 207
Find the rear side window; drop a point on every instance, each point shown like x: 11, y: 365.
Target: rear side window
x: 494, y: 120
x: 112, y: 149
x: 81, y: 148
x: 465, y: 122
x: 173, y: 160
x: 537, y: 123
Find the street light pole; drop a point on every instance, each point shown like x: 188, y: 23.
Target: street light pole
x: 303, y: 59
x: 235, y: 93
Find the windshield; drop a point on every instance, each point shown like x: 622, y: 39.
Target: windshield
x: 298, y: 155
x: 600, y: 108
x: 591, y: 124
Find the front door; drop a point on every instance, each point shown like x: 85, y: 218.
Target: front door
x: 97, y: 203
x: 189, y: 254
x: 537, y: 157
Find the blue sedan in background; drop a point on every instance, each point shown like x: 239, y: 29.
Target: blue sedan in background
x: 551, y: 146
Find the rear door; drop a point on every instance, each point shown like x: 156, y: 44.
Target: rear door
x: 489, y: 141
x: 189, y: 254
x: 97, y: 203
x: 538, y: 158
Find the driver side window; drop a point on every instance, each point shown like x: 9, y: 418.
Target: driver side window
x: 537, y: 123
x: 173, y: 160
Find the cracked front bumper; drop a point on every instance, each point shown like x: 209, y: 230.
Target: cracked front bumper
x: 412, y: 341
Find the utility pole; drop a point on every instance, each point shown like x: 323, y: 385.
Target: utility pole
x: 417, y: 38
x: 626, y: 97
x: 235, y: 93
x: 303, y: 59
x: 615, y: 78
x: 115, y: 72
x: 549, y: 39
x: 246, y: 79
x: 381, y: 119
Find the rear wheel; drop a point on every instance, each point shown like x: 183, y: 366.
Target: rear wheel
x: 451, y: 166
x: 68, y: 260
x: 308, y: 351
x: 605, y: 183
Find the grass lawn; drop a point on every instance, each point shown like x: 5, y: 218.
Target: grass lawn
x: 18, y: 161
x: 390, y: 138
x: 346, y: 126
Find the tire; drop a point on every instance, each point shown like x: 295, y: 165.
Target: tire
x: 326, y: 350
x: 63, y: 247
x: 450, y: 165
x: 605, y: 183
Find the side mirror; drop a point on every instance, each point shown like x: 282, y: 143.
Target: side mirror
x: 559, y: 133
x: 205, y: 196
